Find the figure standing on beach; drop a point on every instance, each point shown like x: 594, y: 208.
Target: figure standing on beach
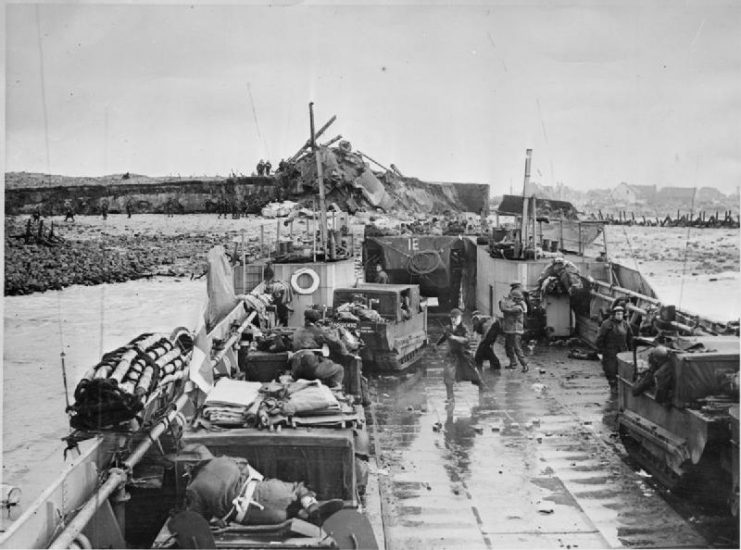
x: 513, y: 307
x: 615, y: 336
x: 104, y: 209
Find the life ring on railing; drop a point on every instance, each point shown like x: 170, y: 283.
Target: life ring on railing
x: 314, y: 281
x: 81, y: 542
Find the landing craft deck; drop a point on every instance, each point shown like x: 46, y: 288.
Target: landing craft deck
x: 529, y: 462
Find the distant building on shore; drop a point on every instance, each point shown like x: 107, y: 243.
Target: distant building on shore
x: 710, y: 196
x: 633, y: 194
x: 681, y: 197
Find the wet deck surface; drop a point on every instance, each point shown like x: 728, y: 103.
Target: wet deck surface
x: 531, y: 461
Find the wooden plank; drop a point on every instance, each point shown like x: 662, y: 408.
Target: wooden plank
x: 251, y: 436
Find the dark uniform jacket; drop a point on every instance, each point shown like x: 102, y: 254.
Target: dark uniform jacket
x: 313, y: 337
x: 489, y: 329
x: 456, y: 349
x: 614, y: 337
x: 514, y: 314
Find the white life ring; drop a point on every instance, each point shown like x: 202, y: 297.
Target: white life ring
x: 314, y: 281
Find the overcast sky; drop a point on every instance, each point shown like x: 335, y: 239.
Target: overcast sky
x: 643, y: 92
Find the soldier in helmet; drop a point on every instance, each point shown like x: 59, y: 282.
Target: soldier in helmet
x: 459, y: 365
x: 513, y: 308
x: 230, y: 490
x: 306, y: 343
x: 657, y: 358
x: 615, y: 336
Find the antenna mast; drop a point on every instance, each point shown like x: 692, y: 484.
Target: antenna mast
x: 525, y: 185
x: 320, y: 184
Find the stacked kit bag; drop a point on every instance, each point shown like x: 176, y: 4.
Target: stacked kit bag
x: 116, y: 389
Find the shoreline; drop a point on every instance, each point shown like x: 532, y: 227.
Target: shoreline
x: 120, y: 249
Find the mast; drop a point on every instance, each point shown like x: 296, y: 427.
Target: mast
x: 320, y: 184
x: 525, y: 185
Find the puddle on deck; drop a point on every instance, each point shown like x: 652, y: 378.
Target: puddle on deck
x: 526, y: 461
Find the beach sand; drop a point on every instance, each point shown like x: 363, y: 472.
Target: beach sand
x: 697, y: 269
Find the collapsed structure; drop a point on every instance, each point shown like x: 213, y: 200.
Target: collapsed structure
x: 350, y: 182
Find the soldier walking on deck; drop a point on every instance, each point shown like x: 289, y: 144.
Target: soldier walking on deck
x: 514, y: 308
x: 459, y: 365
x: 615, y: 336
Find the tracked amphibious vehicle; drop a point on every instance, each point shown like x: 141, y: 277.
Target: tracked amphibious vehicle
x: 682, y: 428
x: 396, y: 334
x: 691, y: 437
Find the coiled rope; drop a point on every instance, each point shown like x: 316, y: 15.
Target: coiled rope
x: 424, y: 262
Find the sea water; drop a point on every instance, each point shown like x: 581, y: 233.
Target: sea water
x: 83, y: 322
x: 86, y: 322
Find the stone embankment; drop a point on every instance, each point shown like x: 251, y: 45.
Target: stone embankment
x: 92, y: 251
x: 87, y: 259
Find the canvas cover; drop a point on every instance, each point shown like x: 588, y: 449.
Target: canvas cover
x: 702, y: 373
x: 419, y: 252
x: 220, y: 285
x: 321, y: 458
x: 512, y: 205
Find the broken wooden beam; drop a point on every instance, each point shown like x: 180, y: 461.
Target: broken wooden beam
x: 308, y: 141
x: 372, y: 160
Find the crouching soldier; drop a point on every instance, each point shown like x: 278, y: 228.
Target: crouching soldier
x: 659, y: 375
x: 230, y: 490
x: 489, y: 328
x: 307, y: 341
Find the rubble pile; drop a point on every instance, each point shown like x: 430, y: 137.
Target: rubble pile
x: 350, y: 182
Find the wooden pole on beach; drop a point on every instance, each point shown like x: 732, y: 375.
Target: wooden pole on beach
x: 320, y: 184
x: 560, y: 232
x: 313, y: 234
x: 262, y: 239
x: 244, y: 266
x: 315, y: 135
x: 277, y: 235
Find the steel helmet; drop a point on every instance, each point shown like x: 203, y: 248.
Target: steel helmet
x: 659, y: 353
